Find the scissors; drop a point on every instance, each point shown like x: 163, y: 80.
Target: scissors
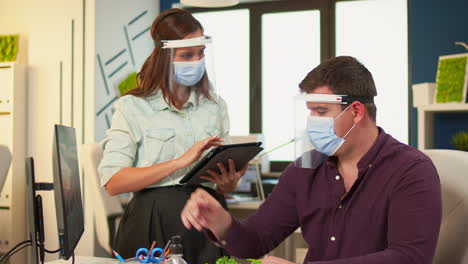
x: 144, y: 256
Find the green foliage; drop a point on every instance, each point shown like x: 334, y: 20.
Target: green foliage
x: 460, y: 141
x: 451, y: 80
x: 254, y: 261
x: 226, y: 260
x: 129, y: 83
x: 8, y: 47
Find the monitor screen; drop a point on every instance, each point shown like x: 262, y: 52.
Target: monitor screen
x: 69, y: 208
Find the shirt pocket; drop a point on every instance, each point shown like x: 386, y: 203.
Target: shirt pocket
x: 159, y: 145
x: 211, y: 131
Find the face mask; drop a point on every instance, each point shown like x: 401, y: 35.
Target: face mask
x: 321, y: 133
x: 189, y: 73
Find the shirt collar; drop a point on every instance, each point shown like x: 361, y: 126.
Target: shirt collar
x: 159, y: 103
x: 367, y: 160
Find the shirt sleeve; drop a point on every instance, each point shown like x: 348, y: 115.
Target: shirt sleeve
x: 275, y: 220
x: 119, y: 146
x: 414, y: 220
x: 225, y: 122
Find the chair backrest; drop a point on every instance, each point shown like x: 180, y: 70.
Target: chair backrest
x: 104, y: 205
x: 452, y: 166
x: 5, y: 161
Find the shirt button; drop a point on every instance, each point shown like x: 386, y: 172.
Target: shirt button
x: 337, y: 177
x: 370, y: 165
x: 332, y: 238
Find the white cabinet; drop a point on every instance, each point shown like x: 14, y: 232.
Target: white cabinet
x: 13, y: 135
x: 426, y: 121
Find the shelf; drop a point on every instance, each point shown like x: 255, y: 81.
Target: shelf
x: 446, y: 107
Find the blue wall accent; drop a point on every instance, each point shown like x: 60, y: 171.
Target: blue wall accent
x: 448, y: 124
x: 166, y: 4
x: 434, y: 26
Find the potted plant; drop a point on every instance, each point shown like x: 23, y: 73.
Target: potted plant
x: 460, y: 141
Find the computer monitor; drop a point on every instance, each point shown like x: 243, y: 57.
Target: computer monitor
x: 67, y: 190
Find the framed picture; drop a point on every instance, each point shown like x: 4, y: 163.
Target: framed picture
x: 452, y: 79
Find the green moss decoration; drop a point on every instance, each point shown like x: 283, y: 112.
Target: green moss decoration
x: 129, y: 83
x: 460, y: 141
x: 451, y: 80
x: 8, y: 47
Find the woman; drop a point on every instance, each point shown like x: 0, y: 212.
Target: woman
x: 158, y: 131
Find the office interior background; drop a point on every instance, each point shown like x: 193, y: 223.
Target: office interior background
x: 76, y: 53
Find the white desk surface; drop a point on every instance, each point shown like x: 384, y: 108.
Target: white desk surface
x: 86, y: 260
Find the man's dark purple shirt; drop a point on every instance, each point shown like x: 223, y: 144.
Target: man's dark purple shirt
x: 391, y: 215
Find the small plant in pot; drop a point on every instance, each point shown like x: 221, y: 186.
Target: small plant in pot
x: 460, y: 141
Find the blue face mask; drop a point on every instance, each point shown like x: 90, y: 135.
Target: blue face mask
x: 189, y: 73
x: 321, y: 133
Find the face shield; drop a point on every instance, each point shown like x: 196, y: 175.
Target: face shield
x: 191, y: 67
x: 314, y: 129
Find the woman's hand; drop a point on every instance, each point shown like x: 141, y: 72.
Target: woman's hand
x: 194, y: 153
x: 227, y: 181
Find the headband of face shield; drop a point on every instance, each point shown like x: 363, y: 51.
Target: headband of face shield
x: 319, y: 132
x: 189, y: 64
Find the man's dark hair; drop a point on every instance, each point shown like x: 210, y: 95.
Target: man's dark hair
x: 345, y: 76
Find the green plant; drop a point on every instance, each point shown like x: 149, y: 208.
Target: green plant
x: 129, y: 83
x: 8, y: 47
x: 451, y: 79
x: 460, y: 141
x: 226, y: 260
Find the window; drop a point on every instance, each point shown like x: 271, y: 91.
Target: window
x: 375, y: 32
x: 231, y: 61
x: 288, y: 54
x: 283, y: 40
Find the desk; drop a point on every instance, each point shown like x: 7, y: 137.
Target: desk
x: 86, y: 260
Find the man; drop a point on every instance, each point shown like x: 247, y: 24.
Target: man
x: 371, y: 200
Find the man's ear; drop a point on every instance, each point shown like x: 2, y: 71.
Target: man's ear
x: 359, y: 111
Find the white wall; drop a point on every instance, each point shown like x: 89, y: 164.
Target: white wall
x: 45, y: 29
x: 122, y: 33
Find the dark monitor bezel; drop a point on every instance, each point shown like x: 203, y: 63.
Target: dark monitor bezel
x: 31, y: 201
x: 67, y: 246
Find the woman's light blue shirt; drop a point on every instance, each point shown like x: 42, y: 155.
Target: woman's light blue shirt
x: 147, y: 131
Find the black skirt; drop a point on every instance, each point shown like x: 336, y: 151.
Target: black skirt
x: 154, y: 215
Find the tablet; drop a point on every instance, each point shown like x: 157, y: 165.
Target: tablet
x: 241, y: 154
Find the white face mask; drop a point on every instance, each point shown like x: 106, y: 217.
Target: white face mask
x: 189, y: 73
x: 321, y: 133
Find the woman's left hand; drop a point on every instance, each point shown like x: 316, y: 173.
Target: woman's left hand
x: 227, y: 181
x: 274, y: 260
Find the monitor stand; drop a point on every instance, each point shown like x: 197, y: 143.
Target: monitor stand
x: 36, y: 219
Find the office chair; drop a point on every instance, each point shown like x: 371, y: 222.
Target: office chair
x: 5, y: 161
x: 107, y: 210
x: 452, y: 166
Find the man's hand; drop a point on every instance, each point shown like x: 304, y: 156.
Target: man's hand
x: 204, y: 211
x: 274, y: 260
x: 227, y: 181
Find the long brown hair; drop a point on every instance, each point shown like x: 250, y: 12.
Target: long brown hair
x: 171, y: 24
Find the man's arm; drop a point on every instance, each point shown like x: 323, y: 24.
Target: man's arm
x: 414, y: 221
x: 272, y: 223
